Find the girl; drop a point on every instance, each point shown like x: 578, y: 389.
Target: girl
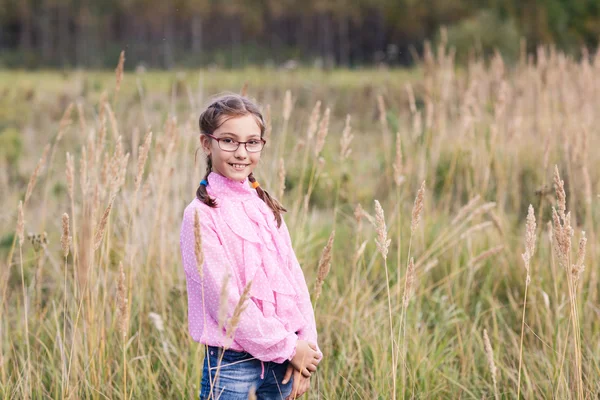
x: 244, y: 239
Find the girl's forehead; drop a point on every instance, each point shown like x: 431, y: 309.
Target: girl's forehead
x: 246, y: 125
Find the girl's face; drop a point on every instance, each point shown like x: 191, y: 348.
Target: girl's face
x: 238, y: 164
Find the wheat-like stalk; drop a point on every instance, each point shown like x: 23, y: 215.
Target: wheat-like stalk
x: 346, y: 140
x: 240, y: 307
x: 383, y: 243
x: 142, y: 157
x: 313, y: 121
x: 20, y: 224
x: 417, y: 208
x: 410, y: 281
x: 101, y: 226
x: 122, y: 302
x: 65, y: 239
x: 324, y: 265
x: 119, y: 72
x: 322, y: 133
x: 489, y: 352
x: 33, y: 179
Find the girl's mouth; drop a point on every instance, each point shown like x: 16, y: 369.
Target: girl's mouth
x: 238, y: 167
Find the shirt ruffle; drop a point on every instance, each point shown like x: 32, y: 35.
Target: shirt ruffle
x: 266, y: 259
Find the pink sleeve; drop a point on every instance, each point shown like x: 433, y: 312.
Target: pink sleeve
x: 308, y: 333
x: 264, y: 338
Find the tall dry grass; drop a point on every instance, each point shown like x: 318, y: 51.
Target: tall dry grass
x: 110, y: 319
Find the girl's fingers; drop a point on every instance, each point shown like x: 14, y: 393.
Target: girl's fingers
x: 306, y: 373
x: 312, y: 346
x: 288, y: 374
x: 311, y: 367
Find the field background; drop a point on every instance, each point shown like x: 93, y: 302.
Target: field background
x: 485, y: 137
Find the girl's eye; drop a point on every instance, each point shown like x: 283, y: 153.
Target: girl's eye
x: 228, y: 141
x: 253, y: 142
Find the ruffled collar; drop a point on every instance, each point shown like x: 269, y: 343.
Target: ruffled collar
x: 223, y: 187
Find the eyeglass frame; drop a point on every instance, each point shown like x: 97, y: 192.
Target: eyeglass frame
x: 264, y: 142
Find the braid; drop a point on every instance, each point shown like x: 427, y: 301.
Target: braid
x: 201, y: 193
x: 271, y: 202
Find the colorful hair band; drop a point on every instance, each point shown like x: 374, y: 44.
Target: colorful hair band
x: 203, y: 182
x: 255, y: 185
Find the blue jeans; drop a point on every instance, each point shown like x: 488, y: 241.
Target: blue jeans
x: 238, y: 373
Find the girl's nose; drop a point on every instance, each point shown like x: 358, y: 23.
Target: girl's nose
x: 241, y: 151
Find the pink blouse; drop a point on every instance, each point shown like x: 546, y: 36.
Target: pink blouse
x: 240, y: 238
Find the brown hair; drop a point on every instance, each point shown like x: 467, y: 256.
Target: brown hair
x: 221, y: 109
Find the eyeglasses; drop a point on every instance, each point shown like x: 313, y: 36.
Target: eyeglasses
x: 228, y: 144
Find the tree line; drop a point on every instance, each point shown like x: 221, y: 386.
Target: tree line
x: 233, y: 33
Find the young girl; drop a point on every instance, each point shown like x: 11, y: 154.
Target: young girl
x: 245, y: 239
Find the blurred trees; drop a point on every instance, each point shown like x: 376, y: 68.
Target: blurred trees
x: 163, y: 33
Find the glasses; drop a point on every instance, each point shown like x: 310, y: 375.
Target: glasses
x: 228, y: 144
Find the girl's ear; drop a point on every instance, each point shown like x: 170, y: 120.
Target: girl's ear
x: 205, y: 142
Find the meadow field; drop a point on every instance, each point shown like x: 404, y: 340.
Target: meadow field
x: 458, y: 206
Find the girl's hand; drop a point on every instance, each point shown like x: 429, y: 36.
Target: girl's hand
x: 301, y: 384
x: 306, y: 358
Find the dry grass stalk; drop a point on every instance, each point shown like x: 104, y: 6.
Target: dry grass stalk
x: 529, y: 250
x: 244, y: 90
x: 313, y: 121
x: 529, y: 241
x: 287, y: 105
x: 20, y: 224
x: 119, y: 72
x: 32, y: 181
x: 398, y: 177
x: 142, y: 157
x: 346, y: 140
x: 223, y: 299
x: 490, y: 357
x: 559, y: 186
x: 476, y: 228
x: 417, y: 208
x: 383, y: 243
x: 65, y: 122
x: 410, y: 282
x: 359, y: 252
x: 465, y: 210
x: 484, y: 255
x: 198, y: 252
x: 324, y: 265
x: 268, y: 123
x: 322, y: 133
x: 239, y: 309
x: 114, y: 127
x: 102, y: 226
x: 122, y: 302
x: 281, y: 175
x: 65, y: 240
x: 70, y: 174
x: 578, y: 267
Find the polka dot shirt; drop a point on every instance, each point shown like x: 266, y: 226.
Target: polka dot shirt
x: 241, y: 240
